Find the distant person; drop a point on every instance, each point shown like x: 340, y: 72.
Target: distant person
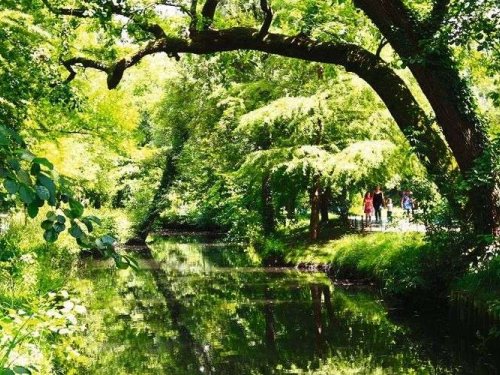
x: 378, y: 202
x: 389, y: 206
x: 407, y: 203
x: 368, y: 207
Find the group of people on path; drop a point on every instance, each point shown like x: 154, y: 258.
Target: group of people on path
x: 374, y: 201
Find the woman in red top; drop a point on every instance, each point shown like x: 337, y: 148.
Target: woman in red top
x: 368, y: 207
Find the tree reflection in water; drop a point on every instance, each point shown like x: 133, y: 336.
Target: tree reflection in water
x: 207, y: 309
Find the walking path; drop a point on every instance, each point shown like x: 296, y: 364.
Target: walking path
x: 403, y: 225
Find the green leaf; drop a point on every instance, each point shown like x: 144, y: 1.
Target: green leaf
x: 42, y: 192
x: 32, y: 210
x: 26, y: 194
x: 46, y: 181
x: 76, y: 207
x: 69, y: 213
x: 35, y: 169
x: 88, y: 224
x: 47, y: 224
x: 95, y: 219
x: 61, y: 219
x: 52, y: 200
x: 4, y: 141
x: 59, y: 227
x: 84, y: 242
x: 11, y: 186
x: 76, y: 231
x: 107, y: 240
x: 7, y: 371
x: 39, y: 202
x: 14, y: 164
x: 50, y: 235
x: 131, y: 262
x: 44, y: 162
x: 24, y: 177
x: 21, y: 370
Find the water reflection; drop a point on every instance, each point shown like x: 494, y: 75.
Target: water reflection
x: 203, y: 309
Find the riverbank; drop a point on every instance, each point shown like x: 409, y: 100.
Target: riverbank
x: 406, y: 265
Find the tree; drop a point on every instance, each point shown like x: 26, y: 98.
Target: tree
x: 411, y: 35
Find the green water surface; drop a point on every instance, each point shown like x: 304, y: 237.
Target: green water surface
x: 204, y: 307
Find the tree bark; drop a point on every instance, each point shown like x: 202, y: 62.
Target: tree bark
x: 290, y: 207
x: 316, y: 290
x: 343, y: 200
x: 324, y: 203
x: 268, y: 223
x: 314, y: 198
x: 269, y: 318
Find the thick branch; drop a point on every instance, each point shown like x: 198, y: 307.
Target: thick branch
x: 84, y: 62
x: 268, y: 18
x: 436, y: 18
x: 194, y: 16
x: 396, y: 23
x: 208, y: 13
x: 382, y: 44
x: 407, y: 113
x: 115, y: 71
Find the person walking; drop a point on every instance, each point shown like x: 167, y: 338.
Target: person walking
x: 389, y: 206
x: 368, y: 207
x: 378, y: 202
x: 407, y: 203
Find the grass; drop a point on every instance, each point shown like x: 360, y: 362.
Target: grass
x: 405, y: 264
x: 391, y: 259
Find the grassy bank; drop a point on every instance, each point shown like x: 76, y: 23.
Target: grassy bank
x: 402, y: 264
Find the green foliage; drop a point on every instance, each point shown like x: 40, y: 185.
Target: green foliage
x: 32, y: 182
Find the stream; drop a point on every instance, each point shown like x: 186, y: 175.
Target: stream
x: 200, y: 306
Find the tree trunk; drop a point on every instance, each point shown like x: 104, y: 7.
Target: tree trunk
x: 344, y: 206
x: 268, y: 223
x: 329, y: 306
x: 290, y: 207
x: 314, y: 197
x: 144, y: 227
x: 269, y: 318
x: 324, y: 203
x: 452, y: 102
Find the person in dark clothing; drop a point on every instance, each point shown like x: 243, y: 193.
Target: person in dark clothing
x: 378, y: 202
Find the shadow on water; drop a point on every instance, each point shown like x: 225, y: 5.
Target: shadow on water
x: 206, y: 308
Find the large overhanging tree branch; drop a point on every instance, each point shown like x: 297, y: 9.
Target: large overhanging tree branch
x: 393, y: 91
x: 397, y: 24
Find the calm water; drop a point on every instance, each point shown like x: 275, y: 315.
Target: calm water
x: 201, y: 307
